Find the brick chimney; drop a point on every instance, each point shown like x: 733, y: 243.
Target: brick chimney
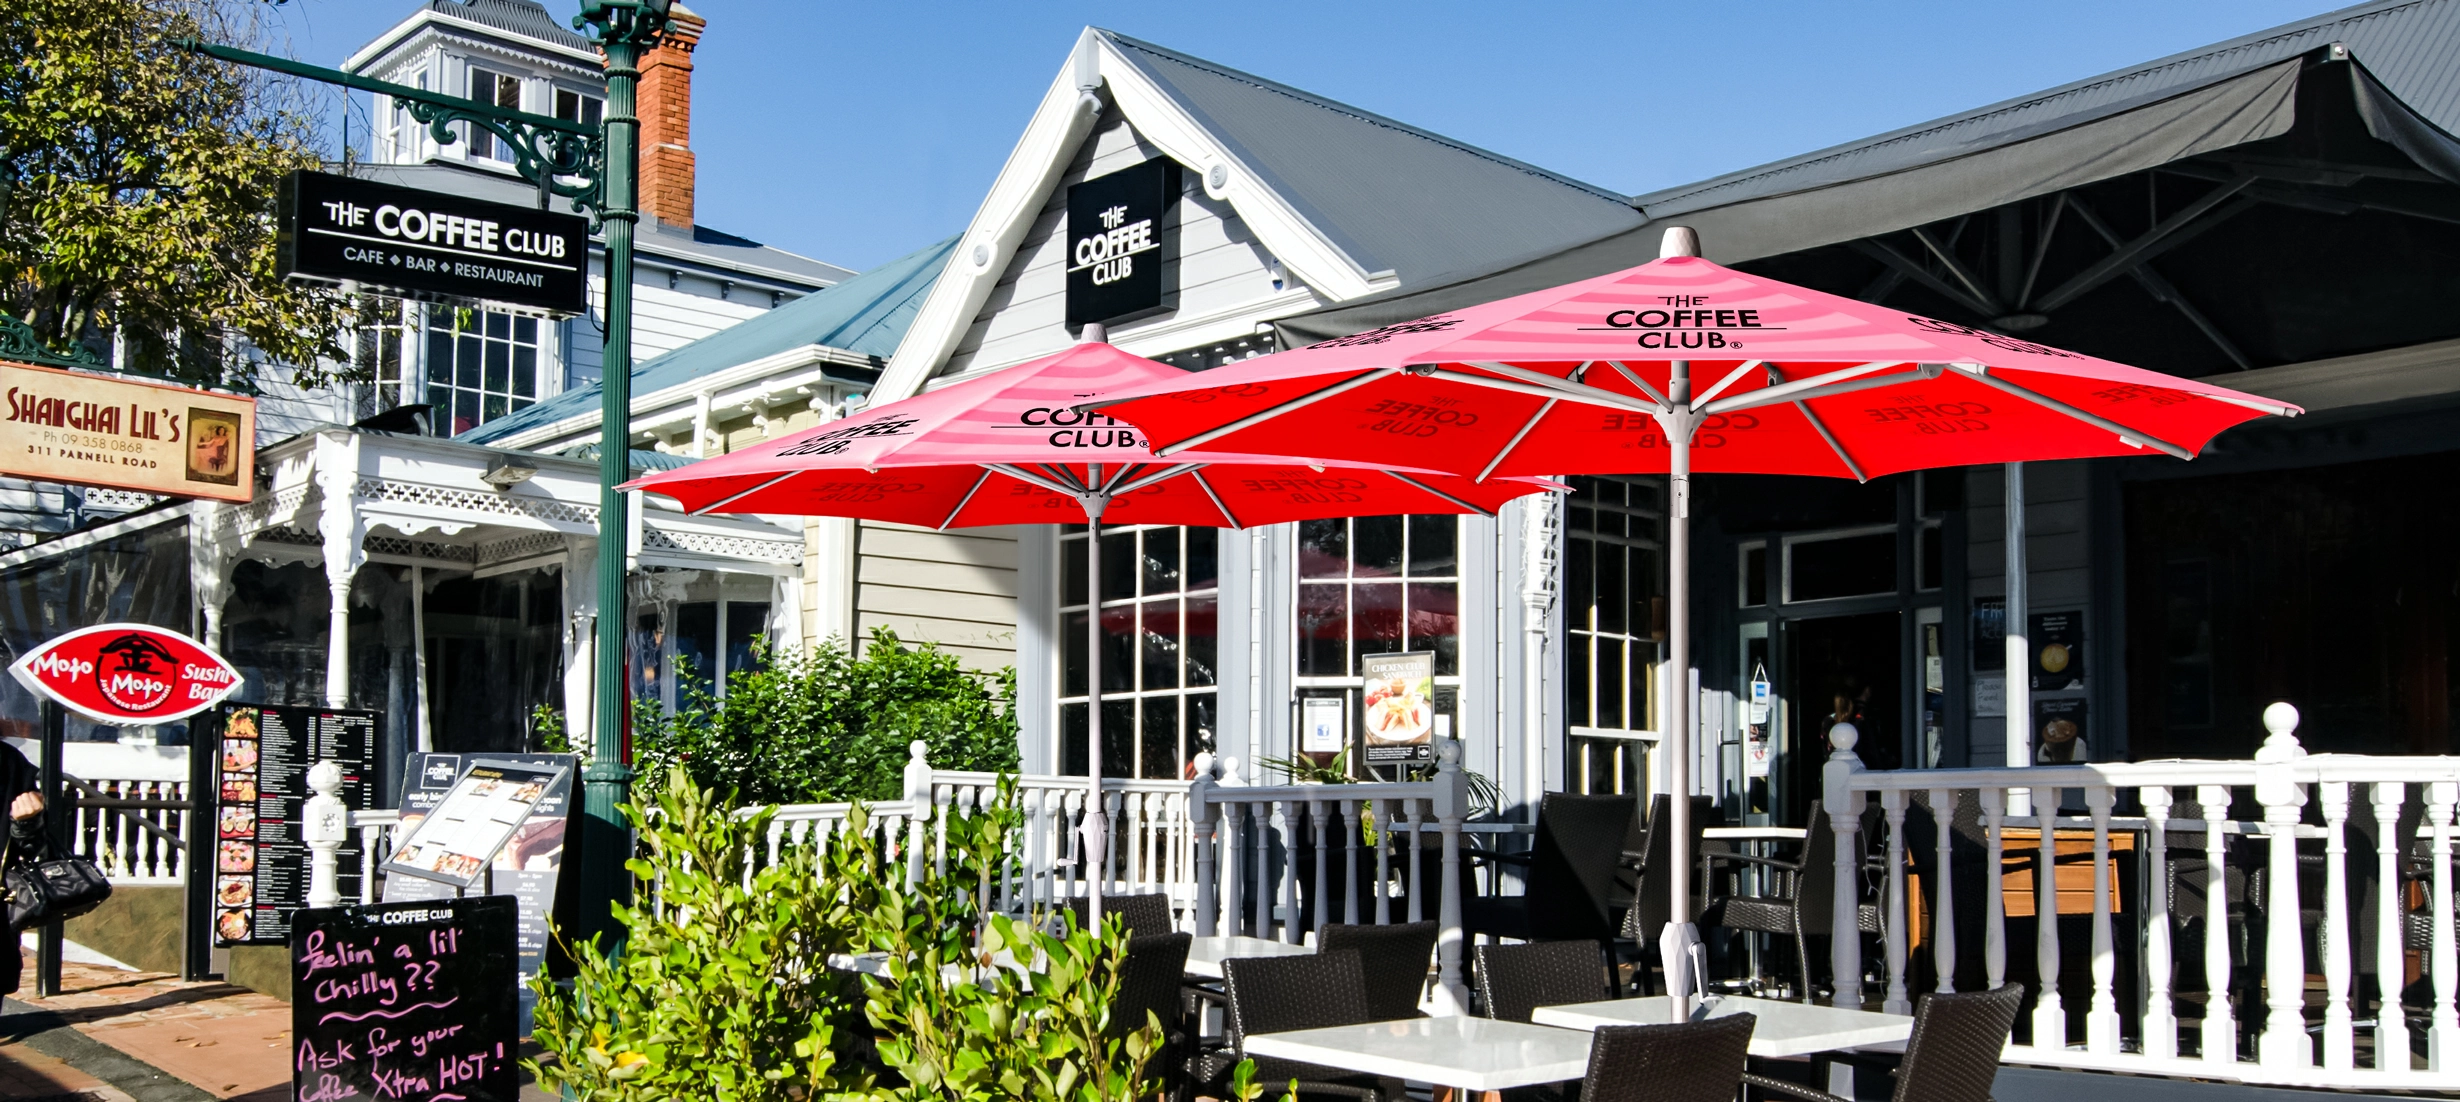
x: 666, y: 120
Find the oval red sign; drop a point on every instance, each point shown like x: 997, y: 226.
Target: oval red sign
x: 128, y: 674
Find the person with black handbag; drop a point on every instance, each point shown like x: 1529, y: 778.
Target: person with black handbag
x: 21, y: 791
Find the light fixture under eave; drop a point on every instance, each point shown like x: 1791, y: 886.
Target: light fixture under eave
x: 507, y: 472
x: 2018, y: 323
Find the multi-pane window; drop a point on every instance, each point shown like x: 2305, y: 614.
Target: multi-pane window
x: 496, y: 89
x: 1614, y: 620
x: 1160, y: 600
x: 480, y: 365
x: 376, y: 351
x: 572, y: 106
x: 1378, y: 585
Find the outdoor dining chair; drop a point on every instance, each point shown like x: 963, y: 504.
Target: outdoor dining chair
x: 1699, y: 1061
x: 1396, y: 958
x: 1952, y: 1056
x: 1149, y: 985
x: 1142, y: 914
x: 1577, y: 879
x: 1281, y: 994
x: 1516, y: 979
x: 1798, y: 903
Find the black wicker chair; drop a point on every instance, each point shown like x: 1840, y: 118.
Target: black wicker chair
x: 1149, y: 984
x: 1395, y: 958
x: 1143, y: 914
x: 1280, y: 994
x: 1516, y: 979
x: 1799, y: 904
x: 1578, y: 879
x: 1690, y: 1062
x: 1953, y: 1055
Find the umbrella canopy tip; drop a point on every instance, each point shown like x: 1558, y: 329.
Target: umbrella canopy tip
x: 1678, y: 241
x: 1094, y: 332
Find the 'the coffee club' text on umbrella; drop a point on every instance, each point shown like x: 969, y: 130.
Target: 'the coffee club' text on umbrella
x: 1598, y: 377
x: 1011, y: 448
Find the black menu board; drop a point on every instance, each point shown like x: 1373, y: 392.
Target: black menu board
x: 260, y: 861
x: 528, y: 867
x: 406, y: 1002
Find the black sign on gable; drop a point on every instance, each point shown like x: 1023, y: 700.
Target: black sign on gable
x: 1116, y: 243
x: 364, y: 236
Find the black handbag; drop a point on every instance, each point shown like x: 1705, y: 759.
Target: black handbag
x: 48, y: 890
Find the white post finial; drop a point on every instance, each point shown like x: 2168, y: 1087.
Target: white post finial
x: 1094, y: 333
x: 1843, y: 738
x: 327, y: 823
x: 2281, y: 725
x: 1678, y: 241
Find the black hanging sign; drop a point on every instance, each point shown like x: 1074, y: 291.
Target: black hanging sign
x: 406, y: 1002
x: 1116, y: 242
x: 361, y: 235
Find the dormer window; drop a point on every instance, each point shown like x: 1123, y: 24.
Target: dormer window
x: 498, y: 89
x: 572, y: 106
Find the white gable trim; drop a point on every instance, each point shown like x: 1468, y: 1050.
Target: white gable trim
x: 1068, y: 113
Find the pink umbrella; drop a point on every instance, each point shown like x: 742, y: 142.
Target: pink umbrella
x: 1011, y: 448
x: 1596, y: 377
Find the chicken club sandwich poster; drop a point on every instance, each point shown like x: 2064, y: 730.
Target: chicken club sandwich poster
x: 1399, y: 706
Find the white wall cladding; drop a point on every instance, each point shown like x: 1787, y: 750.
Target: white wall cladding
x: 1219, y: 268
x: 956, y: 588
x: 2058, y: 566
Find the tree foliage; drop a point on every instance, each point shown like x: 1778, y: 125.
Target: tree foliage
x: 137, y: 190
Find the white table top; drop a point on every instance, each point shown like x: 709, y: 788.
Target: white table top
x: 1755, y: 834
x: 1478, y: 1054
x: 1205, y: 954
x: 1784, y: 1029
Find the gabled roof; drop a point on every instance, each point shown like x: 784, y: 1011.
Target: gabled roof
x: 1395, y: 197
x: 522, y: 17
x: 863, y: 317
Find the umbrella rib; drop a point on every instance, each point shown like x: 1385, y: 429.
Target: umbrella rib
x: 1439, y: 493
x: 1821, y: 427
x: 1585, y: 395
x: 1031, y: 478
x: 726, y: 501
x: 1728, y: 381
x: 1261, y: 416
x: 1163, y: 475
x: 968, y: 499
x: 1198, y: 471
x: 2125, y: 435
x: 1517, y: 437
x: 1786, y: 392
x: 1643, y: 384
x: 1830, y: 391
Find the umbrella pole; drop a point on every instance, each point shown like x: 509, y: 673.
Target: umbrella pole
x: 1096, y: 839
x: 1674, y: 944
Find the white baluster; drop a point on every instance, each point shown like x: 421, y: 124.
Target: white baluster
x: 1994, y: 888
x: 2336, y: 944
x: 1349, y: 861
x: 2049, y: 1015
x: 1383, y: 864
x: 1843, y: 806
x: 1290, y: 843
x: 2284, y: 1038
x: 1262, y: 842
x: 1316, y: 815
x: 2445, y: 1030
x: 1417, y: 883
x: 2160, y: 1017
x: 1943, y: 895
x: 2220, y: 1032
x: 2101, y: 1021
x: 2391, y: 930
x: 1204, y: 917
x: 1892, y: 806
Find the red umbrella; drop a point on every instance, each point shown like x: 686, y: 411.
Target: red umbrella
x: 1010, y: 448
x: 1598, y: 377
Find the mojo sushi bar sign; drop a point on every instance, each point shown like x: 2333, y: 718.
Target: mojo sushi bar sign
x: 127, y: 674
x: 97, y: 430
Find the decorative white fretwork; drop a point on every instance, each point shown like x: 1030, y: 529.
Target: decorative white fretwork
x: 477, y: 501
x: 732, y: 547
x: 526, y: 546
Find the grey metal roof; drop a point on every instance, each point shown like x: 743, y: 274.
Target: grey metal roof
x: 1391, y: 195
x: 699, y: 244
x: 522, y: 17
x: 2409, y: 45
x: 866, y: 315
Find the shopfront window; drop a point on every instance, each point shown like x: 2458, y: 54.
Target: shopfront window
x: 1379, y: 585
x: 481, y: 365
x: 1615, y: 624
x: 1159, y: 596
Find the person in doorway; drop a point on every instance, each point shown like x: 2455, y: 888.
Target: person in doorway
x: 21, y: 793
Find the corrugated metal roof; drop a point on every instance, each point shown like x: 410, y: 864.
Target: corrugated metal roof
x: 2409, y: 45
x: 522, y: 17
x: 866, y: 315
x: 1391, y: 195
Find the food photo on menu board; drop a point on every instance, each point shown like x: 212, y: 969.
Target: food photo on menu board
x: 1399, y: 705
x: 458, y: 839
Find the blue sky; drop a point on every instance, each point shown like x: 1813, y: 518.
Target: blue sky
x: 857, y: 132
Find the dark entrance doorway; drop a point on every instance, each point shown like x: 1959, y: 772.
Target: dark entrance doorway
x: 1838, y: 669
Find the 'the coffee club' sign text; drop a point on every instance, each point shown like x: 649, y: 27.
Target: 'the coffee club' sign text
x: 1116, y: 242
x: 366, y: 236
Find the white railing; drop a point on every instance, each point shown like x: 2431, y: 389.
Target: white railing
x: 2299, y: 1010
x: 136, y: 830
x: 1273, y: 862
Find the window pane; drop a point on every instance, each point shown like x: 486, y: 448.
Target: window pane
x: 1161, y: 547
x: 1375, y: 627
x: 1933, y: 552
x: 439, y: 356
x: 1072, y: 654
x: 1613, y: 606
x: 465, y: 411
x: 1376, y: 546
x: 1609, y: 683
x: 1323, y: 631
x: 1435, y: 624
x: 491, y: 407
x: 1118, y: 737
x: 525, y: 372
x: 1855, y: 566
x: 466, y: 357
x: 1161, y: 644
x: 1072, y: 738
x: 1576, y: 679
x: 1579, y: 582
x: 1323, y: 548
x: 1160, y: 761
x: 525, y: 330
x: 499, y: 326
x: 1118, y: 566
x: 1072, y: 572
x: 499, y: 367
x: 1203, y: 569
x: 695, y: 648
x: 1200, y: 725
x: 1755, y: 577
x: 1119, y: 649
x: 1202, y: 632
x: 745, y: 622
x: 1643, y: 685
x: 1431, y: 546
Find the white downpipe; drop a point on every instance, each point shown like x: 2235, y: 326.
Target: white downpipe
x: 1537, y: 593
x: 2019, y: 687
